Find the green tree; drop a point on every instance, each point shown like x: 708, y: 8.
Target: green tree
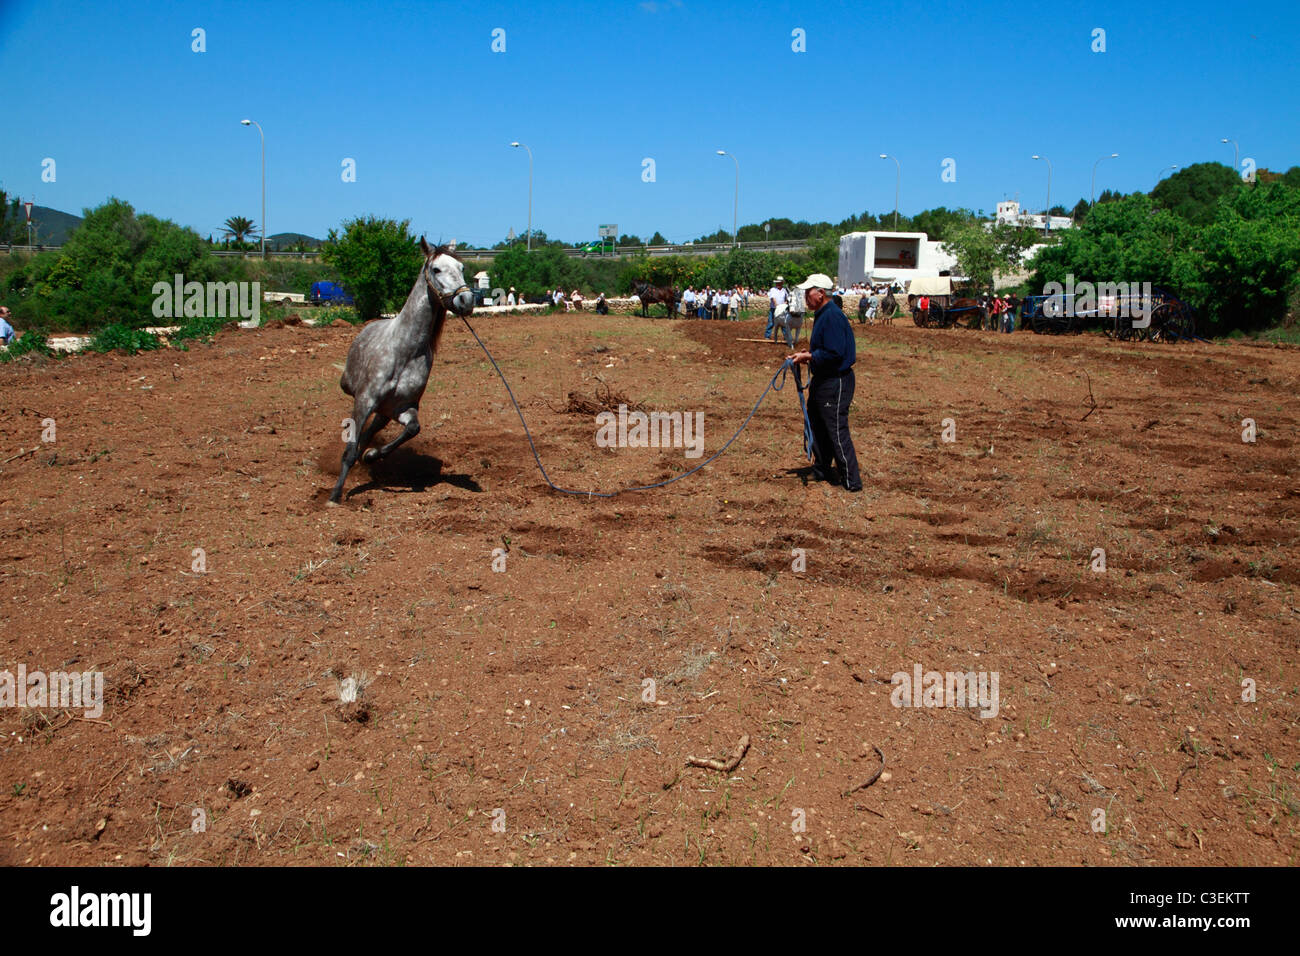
x: 1247, y: 268
x: 1129, y: 240
x: 941, y: 223
x: 1194, y: 193
x: 533, y: 273
x: 983, y: 253
x: 377, y: 260
x: 13, y: 220
x: 106, y: 271
x: 1241, y: 270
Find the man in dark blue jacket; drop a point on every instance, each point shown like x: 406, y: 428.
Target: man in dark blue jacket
x: 832, y: 352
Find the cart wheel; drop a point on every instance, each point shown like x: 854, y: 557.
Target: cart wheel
x: 1179, y: 323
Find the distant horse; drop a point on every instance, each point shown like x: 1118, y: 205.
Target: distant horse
x: 390, y: 359
x: 972, y: 311
x: 665, y: 295
x: 946, y: 312
x: 888, y: 309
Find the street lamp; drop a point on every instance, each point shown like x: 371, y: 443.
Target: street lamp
x: 898, y: 182
x: 1047, y: 214
x: 1235, y: 151
x: 262, y: 133
x: 530, y: 193
x: 1160, y: 175
x: 735, y: 208
x: 1094, y: 176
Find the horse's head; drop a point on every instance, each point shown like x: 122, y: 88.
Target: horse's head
x: 444, y: 274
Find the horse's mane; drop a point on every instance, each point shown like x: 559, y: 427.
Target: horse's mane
x: 444, y: 250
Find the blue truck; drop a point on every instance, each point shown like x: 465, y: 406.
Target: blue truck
x: 330, y: 293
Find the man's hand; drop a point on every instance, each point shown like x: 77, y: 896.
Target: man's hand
x: 800, y: 358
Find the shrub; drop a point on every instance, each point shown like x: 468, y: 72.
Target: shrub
x: 118, y: 337
x: 105, y: 272
x: 377, y: 261
x: 29, y: 343
x: 202, y: 328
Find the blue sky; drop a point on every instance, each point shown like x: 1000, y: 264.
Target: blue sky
x: 415, y: 95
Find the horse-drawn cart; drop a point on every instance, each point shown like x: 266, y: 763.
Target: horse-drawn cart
x: 1158, y: 317
x: 1171, y: 319
x: 1050, y: 315
x: 944, y: 309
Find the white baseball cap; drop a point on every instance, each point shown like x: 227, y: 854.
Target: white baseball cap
x: 817, y: 280
x: 780, y: 278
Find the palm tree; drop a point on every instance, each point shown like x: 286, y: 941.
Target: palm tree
x: 239, y: 228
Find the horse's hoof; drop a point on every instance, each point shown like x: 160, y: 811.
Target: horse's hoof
x: 371, y: 454
x: 332, y: 504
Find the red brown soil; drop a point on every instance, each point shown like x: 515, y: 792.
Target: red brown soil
x: 517, y: 697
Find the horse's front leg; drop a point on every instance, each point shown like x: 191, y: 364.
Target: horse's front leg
x: 410, y: 428
x: 353, y: 449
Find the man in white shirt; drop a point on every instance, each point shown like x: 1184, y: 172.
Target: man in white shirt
x: 724, y: 302
x: 776, y: 297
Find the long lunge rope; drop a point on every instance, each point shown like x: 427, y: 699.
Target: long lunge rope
x: 807, y: 425
x: 776, y: 384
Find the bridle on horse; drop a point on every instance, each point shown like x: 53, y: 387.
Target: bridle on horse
x: 443, y: 300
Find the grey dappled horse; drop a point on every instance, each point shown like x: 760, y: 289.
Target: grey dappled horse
x: 390, y: 359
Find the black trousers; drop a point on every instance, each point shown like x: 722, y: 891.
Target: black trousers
x: 828, y: 411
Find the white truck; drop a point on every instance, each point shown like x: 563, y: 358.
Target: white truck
x: 285, y: 298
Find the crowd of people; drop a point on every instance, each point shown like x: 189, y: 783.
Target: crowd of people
x: 786, y: 307
x: 711, y: 303
x: 1001, y: 309
x: 573, y: 302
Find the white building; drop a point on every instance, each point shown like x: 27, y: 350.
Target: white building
x: 887, y: 256
x: 1009, y: 212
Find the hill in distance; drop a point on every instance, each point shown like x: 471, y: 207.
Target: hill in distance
x: 288, y: 240
x: 50, y: 227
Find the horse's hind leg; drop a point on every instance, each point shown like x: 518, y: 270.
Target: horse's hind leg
x: 411, y: 427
